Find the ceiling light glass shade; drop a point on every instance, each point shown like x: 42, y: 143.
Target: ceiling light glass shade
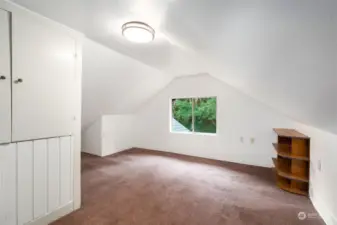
x: 138, y: 32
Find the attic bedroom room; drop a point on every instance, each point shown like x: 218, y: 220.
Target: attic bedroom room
x: 168, y: 112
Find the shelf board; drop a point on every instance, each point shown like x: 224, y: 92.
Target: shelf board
x: 288, y: 175
x: 281, y: 152
x: 291, y: 133
x: 293, y: 190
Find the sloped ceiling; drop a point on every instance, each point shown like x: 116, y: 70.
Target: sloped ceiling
x: 280, y: 52
x: 114, y: 83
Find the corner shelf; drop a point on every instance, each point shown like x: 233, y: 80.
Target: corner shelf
x: 290, y: 133
x: 292, y: 162
x: 281, y: 152
x: 288, y: 175
x: 292, y: 190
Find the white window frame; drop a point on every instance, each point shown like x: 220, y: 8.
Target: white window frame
x: 193, y: 132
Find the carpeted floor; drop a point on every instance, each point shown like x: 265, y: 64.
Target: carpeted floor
x: 140, y: 187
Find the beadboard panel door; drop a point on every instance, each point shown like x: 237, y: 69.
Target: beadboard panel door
x: 35, y: 179
x: 65, y: 172
x: 40, y: 177
x: 5, y: 78
x: 25, y: 182
x: 53, y: 174
x: 43, y: 76
x: 8, y: 184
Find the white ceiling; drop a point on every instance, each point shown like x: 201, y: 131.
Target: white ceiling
x: 281, y: 52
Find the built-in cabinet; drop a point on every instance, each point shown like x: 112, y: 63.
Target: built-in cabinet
x: 5, y: 78
x: 44, y: 61
x: 36, y: 96
x: 35, y: 179
x: 40, y: 79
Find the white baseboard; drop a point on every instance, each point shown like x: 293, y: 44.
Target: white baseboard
x: 91, y: 153
x: 53, y: 216
x: 326, y: 214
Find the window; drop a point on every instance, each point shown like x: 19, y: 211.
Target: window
x: 194, y: 115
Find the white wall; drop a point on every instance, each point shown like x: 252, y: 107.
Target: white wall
x: 237, y: 116
x: 114, y: 83
x: 108, y: 135
x: 91, y: 138
x: 323, y: 182
x: 117, y: 133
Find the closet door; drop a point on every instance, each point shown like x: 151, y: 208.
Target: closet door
x: 43, y: 79
x: 5, y: 78
x: 44, y: 178
x: 8, y: 184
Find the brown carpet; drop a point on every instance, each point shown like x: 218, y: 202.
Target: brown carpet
x: 140, y: 187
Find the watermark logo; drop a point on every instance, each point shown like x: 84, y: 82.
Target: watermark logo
x: 302, y: 215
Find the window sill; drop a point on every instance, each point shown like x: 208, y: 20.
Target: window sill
x: 194, y: 133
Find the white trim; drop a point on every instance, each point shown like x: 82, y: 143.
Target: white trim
x: 194, y: 133
x: 53, y: 216
x: 193, y: 116
x: 326, y: 214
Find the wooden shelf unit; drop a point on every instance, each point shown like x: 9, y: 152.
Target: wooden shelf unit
x: 293, y: 161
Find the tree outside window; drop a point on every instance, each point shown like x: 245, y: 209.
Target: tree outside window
x: 194, y: 115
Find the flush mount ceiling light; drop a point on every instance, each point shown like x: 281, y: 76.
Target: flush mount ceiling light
x: 139, y: 32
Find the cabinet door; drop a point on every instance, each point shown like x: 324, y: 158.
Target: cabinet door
x: 44, y: 177
x: 5, y: 78
x: 8, y: 184
x: 43, y: 79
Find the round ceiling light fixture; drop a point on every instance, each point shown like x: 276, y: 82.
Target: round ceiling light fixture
x: 138, y: 32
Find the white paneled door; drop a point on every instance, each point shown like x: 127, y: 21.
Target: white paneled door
x: 5, y: 78
x: 25, y: 182
x: 53, y: 174
x: 43, y: 79
x: 8, y: 184
x: 40, y: 177
x: 43, y: 183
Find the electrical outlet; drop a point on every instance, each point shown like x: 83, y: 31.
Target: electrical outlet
x: 241, y: 139
x: 252, y: 140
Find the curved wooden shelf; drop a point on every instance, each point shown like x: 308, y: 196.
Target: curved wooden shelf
x: 292, y: 190
x: 282, y: 151
x: 290, y: 133
x: 288, y: 175
x: 292, y: 163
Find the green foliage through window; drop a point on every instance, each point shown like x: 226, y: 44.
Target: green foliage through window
x: 194, y: 115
